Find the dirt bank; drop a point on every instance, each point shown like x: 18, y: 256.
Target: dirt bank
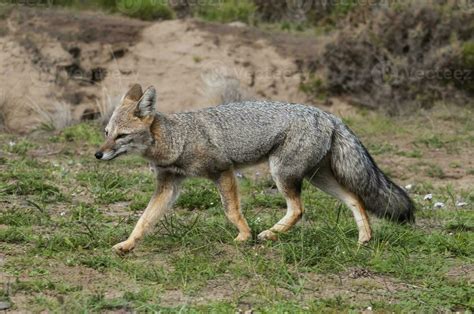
x: 54, y: 60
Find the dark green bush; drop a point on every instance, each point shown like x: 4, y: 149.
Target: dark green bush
x: 404, y: 59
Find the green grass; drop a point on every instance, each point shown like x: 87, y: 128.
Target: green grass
x: 61, y: 214
x: 220, y: 11
x: 227, y: 11
x: 144, y: 9
x: 82, y: 133
x: 314, y: 87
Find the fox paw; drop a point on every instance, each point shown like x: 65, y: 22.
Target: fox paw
x: 364, y: 239
x: 267, y: 235
x: 242, y: 237
x: 124, y: 247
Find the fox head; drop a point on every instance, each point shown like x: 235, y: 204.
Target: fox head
x: 128, y: 129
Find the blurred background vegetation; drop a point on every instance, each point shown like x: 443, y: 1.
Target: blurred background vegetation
x: 405, y: 54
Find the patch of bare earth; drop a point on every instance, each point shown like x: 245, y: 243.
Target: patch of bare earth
x: 355, y: 285
x: 416, y: 170
x: 462, y: 272
x: 77, y: 277
x: 219, y: 289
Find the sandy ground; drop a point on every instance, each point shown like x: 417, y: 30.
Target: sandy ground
x: 176, y: 56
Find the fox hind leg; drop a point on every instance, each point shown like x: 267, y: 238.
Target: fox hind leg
x: 325, y: 181
x: 291, y: 190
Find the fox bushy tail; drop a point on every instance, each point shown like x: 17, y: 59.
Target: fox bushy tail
x: 355, y: 169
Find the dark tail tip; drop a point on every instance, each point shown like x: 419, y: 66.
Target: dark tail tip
x: 406, y: 218
x: 408, y: 215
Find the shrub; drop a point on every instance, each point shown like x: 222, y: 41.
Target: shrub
x: 468, y: 66
x: 403, y: 59
x: 146, y: 9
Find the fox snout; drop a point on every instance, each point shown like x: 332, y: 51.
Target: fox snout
x: 107, y: 150
x: 104, y: 155
x: 113, y: 148
x: 99, y: 154
x: 109, y: 154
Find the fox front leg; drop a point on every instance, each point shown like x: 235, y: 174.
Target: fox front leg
x: 166, y: 192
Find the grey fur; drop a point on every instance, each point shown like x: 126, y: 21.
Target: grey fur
x: 300, y: 142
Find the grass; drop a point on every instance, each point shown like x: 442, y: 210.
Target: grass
x: 227, y: 11
x: 221, y: 11
x: 144, y: 10
x: 60, y: 214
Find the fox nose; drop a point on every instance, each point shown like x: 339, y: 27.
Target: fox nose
x: 99, y: 155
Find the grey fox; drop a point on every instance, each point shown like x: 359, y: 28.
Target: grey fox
x: 299, y: 142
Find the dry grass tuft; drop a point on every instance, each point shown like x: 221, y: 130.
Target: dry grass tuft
x: 106, y: 106
x: 57, y: 117
x: 7, y: 105
x: 3, y: 113
x: 223, y: 89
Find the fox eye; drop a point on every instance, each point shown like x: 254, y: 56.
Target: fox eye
x: 122, y: 135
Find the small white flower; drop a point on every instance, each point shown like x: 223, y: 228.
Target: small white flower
x: 11, y: 143
x: 438, y: 205
x: 461, y: 204
x: 408, y: 187
x: 62, y: 213
x: 369, y: 308
x: 428, y: 197
x: 239, y: 175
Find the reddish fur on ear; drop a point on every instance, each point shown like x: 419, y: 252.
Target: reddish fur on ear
x: 135, y: 92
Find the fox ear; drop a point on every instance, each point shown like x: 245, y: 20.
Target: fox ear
x: 146, y: 104
x: 134, y: 93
